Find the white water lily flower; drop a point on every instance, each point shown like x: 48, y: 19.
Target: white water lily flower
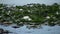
x: 27, y: 18
x: 20, y: 9
x: 57, y: 13
x: 29, y: 11
x: 9, y: 11
x: 47, y: 17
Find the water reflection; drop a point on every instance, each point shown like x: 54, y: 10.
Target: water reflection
x: 30, y: 25
x: 24, y: 30
x: 36, y: 24
x: 2, y: 31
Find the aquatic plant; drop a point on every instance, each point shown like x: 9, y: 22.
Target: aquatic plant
x: 37, y: 13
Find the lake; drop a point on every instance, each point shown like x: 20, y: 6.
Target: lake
x: 24, y: 30
x: 27, y: 28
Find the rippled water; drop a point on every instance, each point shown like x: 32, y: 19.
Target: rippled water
x: 23, y: 30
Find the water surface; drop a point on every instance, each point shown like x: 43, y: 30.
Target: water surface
x: 24, y: 30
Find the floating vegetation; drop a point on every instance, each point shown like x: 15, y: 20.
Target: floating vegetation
x: 33, y: 13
